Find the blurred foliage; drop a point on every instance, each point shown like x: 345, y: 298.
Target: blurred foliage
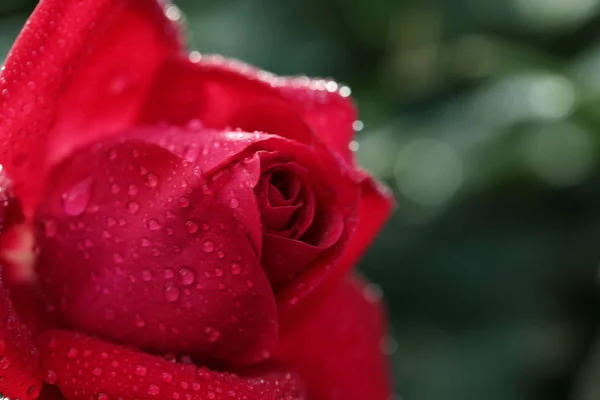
x: 484, y: 117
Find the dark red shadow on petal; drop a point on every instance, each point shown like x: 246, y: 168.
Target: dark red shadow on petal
x: 334, y: 340
x: 135, y: 248
x: 84, y: 368
x: 19, y: 364
x: 71, y: 77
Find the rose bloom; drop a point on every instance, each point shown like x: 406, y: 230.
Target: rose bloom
x: 175, y: 225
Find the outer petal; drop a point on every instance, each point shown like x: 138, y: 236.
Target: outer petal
x: 134, y: 248
x: 19, y: 368
x: 334, y: 339
x: 72, y: 76
x: 227, y: 93
x: 376, y: 206
x: 85, y: 368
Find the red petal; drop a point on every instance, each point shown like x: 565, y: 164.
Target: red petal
x: 211, y: 150
x: 136, y: 249
x: 227, y: 93
x: 334, y: 341
x: 19, y: 365
x: 376, y: 206
x: 72, y: 77
x: 86, y: 368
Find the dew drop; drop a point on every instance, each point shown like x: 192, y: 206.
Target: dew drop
x: 76, y: 199
x: 50, y: 228
x: 97, y: 371
x: 220, y: 254
x: 212, y: 334
x: 166, y: 377
x: 191, y: 226
x: 235, y: 268
x: 153, y: 390
x: 146, y: 242
x: 146, y: 275
x: 51, y: 377
x: 218, y: 272
x: 140, y: 370
x: 153, y: 225
x: 151, y: 180
x: 186, y: 276
x: 234, y: 202
x: 72, y: 352
x: 171, y: 292
x: 184, y: 202
x: 208, y: 246
x: 114, y: 188
x: 138, y: 321
x: 132, y: 190
x: 102, y: 396
x: 118, y: 258
x: 112, y: 155
x: 133, y: 207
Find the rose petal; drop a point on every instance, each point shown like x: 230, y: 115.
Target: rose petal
x: 233, y: 188
x: 135, y: 248
x: 72, y: 77
x: 85, y: 368
x: 19, y: 365
x: 376, y: 205
x: 341, y: 326
x: 337, y: 185
x: 227, y: 93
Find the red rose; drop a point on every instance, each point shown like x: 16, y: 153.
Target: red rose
x: 184, y: 208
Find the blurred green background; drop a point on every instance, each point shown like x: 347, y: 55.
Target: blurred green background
x: 484, y: 118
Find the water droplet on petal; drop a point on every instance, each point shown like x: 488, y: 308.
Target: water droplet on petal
x: 235, y: 268
x: 138, y: 321
x: 72, y: 352
x: 153, y: 225
x: 140, y: 370
x: 133, y: 207
x: 218, y: 272
x: 171, y: 292
x: 118, y: 258
x: 97, y: 371
x: 186, y: 276
x: 50, y: 228
x: 220, y: 254
x: 166, y: 377
x: 77, y: 198
x: 153, y: 390
x: 234, y: 202
x: 151, y: 180
x: 102, y: 396
x: 191, y: 226
x: 146, y: 275
x: 184, y: 202
x: 208, y: 246
x: 132, y: 190
x: 212, y: 334
x: 51, y: 377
